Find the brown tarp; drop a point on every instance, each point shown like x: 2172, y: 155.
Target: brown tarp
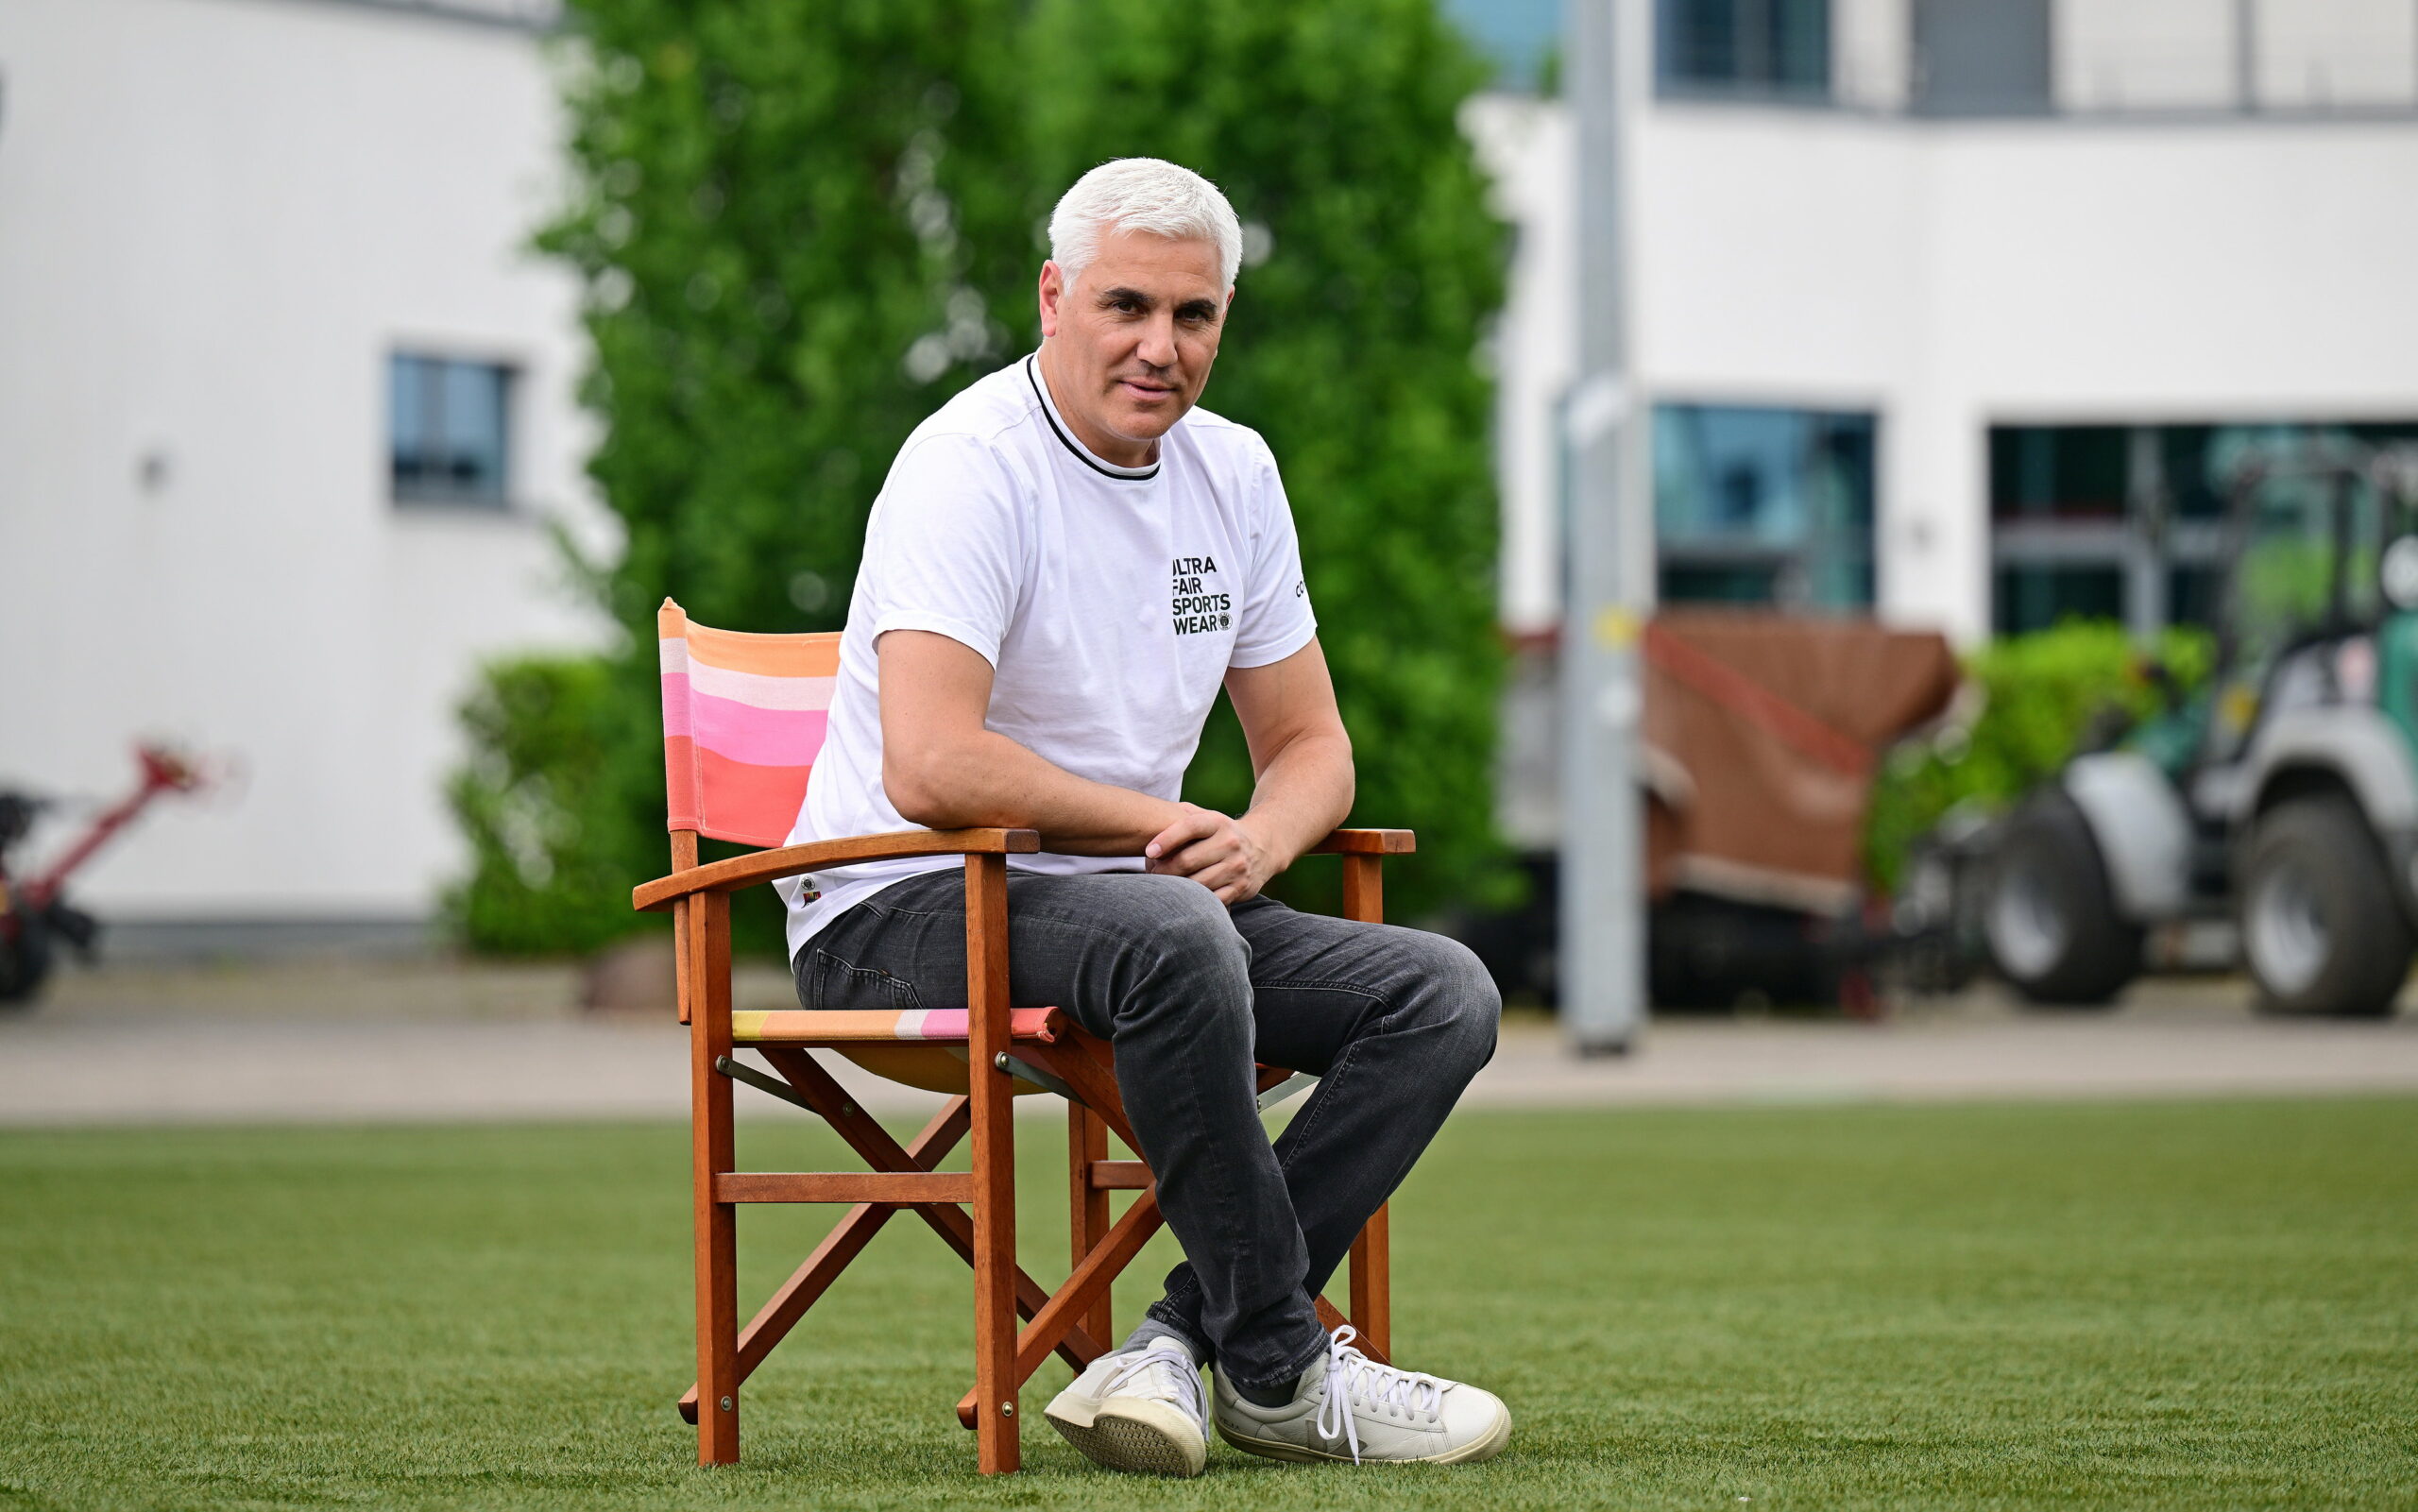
x: 1762, y: 732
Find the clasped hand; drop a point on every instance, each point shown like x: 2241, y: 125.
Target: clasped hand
x: 1216, y: 850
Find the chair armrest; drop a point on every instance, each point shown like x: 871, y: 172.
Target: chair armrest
x: 789, y: 860
x: 1365, y: 842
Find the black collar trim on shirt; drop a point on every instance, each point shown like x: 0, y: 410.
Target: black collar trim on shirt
x: 1050, y: 413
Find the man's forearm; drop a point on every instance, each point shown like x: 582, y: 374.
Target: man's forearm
x: 990, y: 780
x: 1303, y: 794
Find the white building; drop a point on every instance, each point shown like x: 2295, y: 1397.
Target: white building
x: 1944, y: 306
x: 286, y: 411
x: 1950, y: 309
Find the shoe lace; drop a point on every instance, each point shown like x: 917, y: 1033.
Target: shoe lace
x: 1350, y: 1373
x: 1180, y: 1364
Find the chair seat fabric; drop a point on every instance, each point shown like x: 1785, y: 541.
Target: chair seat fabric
x: 918, y: 1047
x: 917, y: 1025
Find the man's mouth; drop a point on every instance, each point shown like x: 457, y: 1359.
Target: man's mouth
x: 1144, y: 388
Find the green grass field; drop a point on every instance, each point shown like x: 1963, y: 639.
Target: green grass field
x: 2125, y: 1306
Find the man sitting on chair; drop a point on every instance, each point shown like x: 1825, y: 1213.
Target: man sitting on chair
x: 1063, y: 566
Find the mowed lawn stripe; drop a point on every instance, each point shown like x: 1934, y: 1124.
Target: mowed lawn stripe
x: 2130, y: 1305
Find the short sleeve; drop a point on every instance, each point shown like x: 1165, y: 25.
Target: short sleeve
x: 944, y: 547
x: 1276, y: 617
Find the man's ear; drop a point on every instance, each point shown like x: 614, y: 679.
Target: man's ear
x: 1053, y: 293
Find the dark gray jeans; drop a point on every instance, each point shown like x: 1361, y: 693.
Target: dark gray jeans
x: 1395, y: 1022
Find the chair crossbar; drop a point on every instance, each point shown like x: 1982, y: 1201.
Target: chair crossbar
x: 771, y: 1086
x: 897, y: 1188
x: 1025, y: 1071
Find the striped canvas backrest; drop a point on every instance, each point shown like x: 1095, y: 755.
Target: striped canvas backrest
x: 743, y: 718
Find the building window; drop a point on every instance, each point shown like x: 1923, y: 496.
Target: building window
x: 449, y: 427
x: 2127, y: 522
x: 1755, y: 48
x: 1983, y: 57
x: 1755, y: 505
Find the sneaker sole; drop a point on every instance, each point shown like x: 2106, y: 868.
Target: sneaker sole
x: 1145, y: 1437
x: 1469, y: 1454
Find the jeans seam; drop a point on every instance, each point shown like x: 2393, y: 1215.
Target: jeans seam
x: 1381, y: 995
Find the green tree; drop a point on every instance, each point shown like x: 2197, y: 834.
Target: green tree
x: 778, y: 203
x: 790, y: 222
x: 800, y: 228
x: 1352, y: 348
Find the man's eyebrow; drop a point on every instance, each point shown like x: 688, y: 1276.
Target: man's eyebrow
x: 1120, y: 295
x: 1198, y: 309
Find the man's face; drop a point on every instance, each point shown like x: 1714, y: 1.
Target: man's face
x: 1131, y: 340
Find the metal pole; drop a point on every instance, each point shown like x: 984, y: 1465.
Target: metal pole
x: 2245, y: 55
x: 1611, y: 578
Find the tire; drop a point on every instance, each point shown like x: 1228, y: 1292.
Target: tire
x: 2321, y: 926
x: 2047, y: 914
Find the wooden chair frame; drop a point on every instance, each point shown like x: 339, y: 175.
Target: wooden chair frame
x: 1074, y: 1322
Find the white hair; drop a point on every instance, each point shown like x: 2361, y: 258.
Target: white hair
x: 1143, y: 194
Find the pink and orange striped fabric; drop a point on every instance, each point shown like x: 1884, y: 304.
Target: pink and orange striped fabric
x: 743, y: 717
x: 915, y: 1025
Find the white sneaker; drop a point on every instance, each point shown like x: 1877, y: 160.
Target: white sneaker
x: 1350, y: 1407
x: 1138, y: 1410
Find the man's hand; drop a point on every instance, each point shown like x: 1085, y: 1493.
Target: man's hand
x: 1220, y: 853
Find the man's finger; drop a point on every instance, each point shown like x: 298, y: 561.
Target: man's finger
x: 1191, y: 861
x: 1217, y: 874
x: 1183, y: 831
x: 1236, y: 890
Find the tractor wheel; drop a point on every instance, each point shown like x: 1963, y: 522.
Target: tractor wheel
x: 2048, y: 915
x: 2319, y: 921
x: 24, y: 962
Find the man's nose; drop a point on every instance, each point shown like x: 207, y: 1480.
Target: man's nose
x: 1158, y: 342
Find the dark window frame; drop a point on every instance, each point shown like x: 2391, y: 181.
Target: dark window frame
x: 1806, y: 571
x: 2163, y: 538
x: 434, y: 467
x: 1748, y: 51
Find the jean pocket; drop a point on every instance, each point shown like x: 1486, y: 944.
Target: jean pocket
x: 837, y: 984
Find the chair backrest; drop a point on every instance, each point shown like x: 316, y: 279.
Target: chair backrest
x: 743, y: 717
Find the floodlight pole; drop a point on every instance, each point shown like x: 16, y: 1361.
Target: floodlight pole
x: 1610, y: 585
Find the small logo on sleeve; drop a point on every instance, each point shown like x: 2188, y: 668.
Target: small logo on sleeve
x: 1198, y: 607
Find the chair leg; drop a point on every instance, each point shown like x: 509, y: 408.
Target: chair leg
x: 1372, y: 1302
x: 706, y: 930
x: 999, y: 1448
x: 1087, y: 1206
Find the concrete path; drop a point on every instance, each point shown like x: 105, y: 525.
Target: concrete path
x: 434, y: 1040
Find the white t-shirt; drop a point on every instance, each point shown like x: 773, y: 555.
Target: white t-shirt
x: 1109, y: 601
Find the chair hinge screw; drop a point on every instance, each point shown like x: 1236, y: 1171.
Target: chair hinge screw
x: 725, y: 1403
x: 1001, y: 1060
x: 1006, y: 1409
x: 847, y: 1109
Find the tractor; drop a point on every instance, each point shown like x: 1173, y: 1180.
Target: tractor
x: 2282, y: 793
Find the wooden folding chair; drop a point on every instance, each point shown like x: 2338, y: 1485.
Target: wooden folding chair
x: 743, y: 715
